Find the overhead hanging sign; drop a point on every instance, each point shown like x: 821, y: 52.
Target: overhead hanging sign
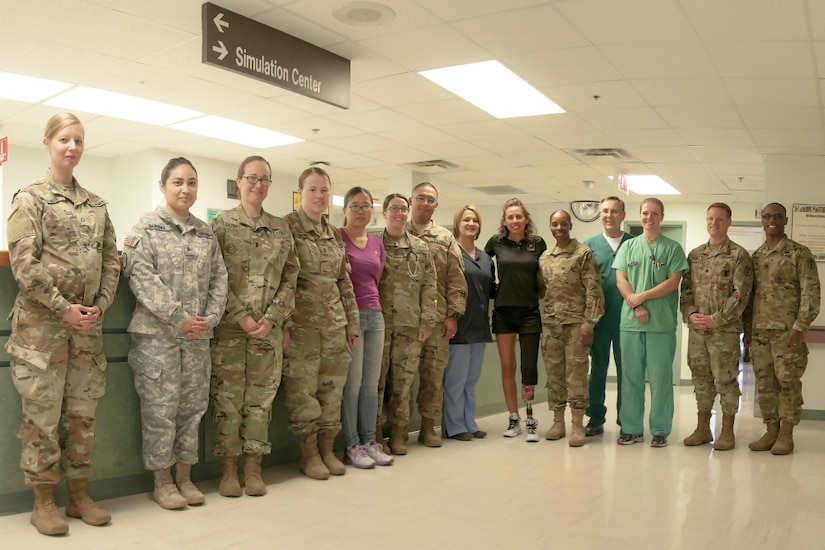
x: 242, y: 45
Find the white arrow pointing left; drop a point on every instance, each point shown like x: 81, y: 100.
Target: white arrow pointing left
x: 220, y: 23
x: 222, y: 50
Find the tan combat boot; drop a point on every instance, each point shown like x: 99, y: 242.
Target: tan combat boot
x: 311, y: 463
x: 229, y: 485
x: 556, y: 431
x: 765, y: 442
x: 326, y: 445
x: 45, y: 516
x: 577, y: 435
x: 379, y: 437
x: 784, y: 443
x: 253, y: 482
x: 83, y: 507
x: 186, y: 488
x: 398, y: 443
x: 702, y: 433
x: 726, y: 441
x: 427, y: 434
x: 166, y: 494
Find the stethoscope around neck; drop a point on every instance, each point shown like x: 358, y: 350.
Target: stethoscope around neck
x: 412, y: 257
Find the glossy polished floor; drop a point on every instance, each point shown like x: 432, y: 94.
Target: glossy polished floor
x: 504, y: 493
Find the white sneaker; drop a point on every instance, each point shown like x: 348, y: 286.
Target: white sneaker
x: 377, y: 454
x: 513, y: 426
x: 532, y: 425
x: 358, y: 457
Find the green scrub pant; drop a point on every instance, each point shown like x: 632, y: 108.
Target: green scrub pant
x: 652, y: 352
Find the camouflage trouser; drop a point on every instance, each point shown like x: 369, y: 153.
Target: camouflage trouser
x: 60, y: 375
x: 315, y: 370
x: 566, y: 362
x: 714, y: 365
x: 434, y: 356
x: 402, y: 351
x: 778, y: 370
x: 246, y: 373
x: 172, y: 382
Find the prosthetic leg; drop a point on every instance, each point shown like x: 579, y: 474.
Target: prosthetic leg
x: 531, y: 424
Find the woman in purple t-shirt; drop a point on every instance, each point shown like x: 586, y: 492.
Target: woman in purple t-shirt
x: 360, y: 406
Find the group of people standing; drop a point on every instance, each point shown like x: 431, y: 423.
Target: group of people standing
x: 229, y: 311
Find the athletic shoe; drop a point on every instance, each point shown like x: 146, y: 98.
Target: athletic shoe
x: 630, y: 439
x: 513, y: 426
x: 658, y: 441
x: 357, y: 456
x: 377, y: 454
x: 531, y: 424
x: 593, y: 429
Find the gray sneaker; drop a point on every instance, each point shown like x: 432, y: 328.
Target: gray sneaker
x: 513, y: 426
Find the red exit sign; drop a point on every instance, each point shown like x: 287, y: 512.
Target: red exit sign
x: 4, y: 149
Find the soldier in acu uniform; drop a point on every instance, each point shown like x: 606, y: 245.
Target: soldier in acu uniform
x: 452, y: 300
x: 178, y: 277
x: 322, y: 331
x: 63, y: 254
x: 408, y: 299
x: 715, y: 292
x: 785, y: 302
x: 573, y: 302
x: 247, y: 350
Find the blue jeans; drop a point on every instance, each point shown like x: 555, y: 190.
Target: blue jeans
x: 360, y: 405
x: 460, y: 378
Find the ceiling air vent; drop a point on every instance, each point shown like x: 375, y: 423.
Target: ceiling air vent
x: 601, y: 154
x: 432, y: 166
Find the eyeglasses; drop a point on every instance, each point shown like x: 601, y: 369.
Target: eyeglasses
x: 777, y: 217
x: 428, y: 200
x: 266, y: 182
x: 398, y: 209
x: 360, y: 207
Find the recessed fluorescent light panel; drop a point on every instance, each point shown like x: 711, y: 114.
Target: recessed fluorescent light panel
x: 493, y: 88
x: 28, y: 88
x: 102, y: 102
x: 650, y: 186
x: 236, y: 132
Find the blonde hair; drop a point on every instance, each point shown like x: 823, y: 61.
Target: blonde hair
x: 459, y: 214
x: 58, y: 122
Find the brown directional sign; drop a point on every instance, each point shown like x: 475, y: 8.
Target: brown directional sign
x: 239, y: 44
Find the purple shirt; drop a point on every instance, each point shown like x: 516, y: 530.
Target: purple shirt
x: 365, y: 265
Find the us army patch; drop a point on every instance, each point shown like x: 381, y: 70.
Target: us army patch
x: 14, y: 207
x: 811, y: 263
x: 131, y: 241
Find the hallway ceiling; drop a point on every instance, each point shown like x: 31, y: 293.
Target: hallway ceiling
x: 695, y: 91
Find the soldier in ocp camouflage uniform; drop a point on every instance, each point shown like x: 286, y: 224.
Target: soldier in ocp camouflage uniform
x: 178, y: 277
x: 408, y: 300
x: 322, y: 331
x: 715, y: 292
x: 785, y: 301
x: 247, y: 350
x: 452, y: 301
x: 63, y: 254
x: 570, y: 286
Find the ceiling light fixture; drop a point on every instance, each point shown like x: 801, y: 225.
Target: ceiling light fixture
x: 364, y: 14
x: 493, y: 88
x: 235, y: 132
x: 127, y: 107
x: 30, y: 89
x: 650, y: 185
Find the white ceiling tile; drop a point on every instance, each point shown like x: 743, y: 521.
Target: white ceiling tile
x: 774, y: 92
x: 661, y: 60
x: 728, y: 137
x: 672, y: 92
x: 790, y: 139
x: 624, y: 119
x: 629, y: 21
x: 800, y: 118
x: 764, y: 59
x: 709, y: 116
x: 747, y: 19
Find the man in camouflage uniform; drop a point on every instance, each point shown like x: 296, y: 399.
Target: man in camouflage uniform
x: 178, y: 277
x: 63, y: 255
x: 715, y: 292
x: 570, y: 286
x: 452, y: 300
x: 785, y: 302
x: 247, y: 350
x: 408, y: 300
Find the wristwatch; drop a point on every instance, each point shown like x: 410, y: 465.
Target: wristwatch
x: 456, y: 316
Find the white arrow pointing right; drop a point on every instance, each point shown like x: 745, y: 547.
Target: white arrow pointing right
x: 222, y: 50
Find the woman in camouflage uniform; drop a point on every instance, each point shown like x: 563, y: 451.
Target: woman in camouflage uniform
x: 178, y: 277
x: 63, y: 254
x: 322, y: 331
x: 408, y: 299
x: 247, y: 350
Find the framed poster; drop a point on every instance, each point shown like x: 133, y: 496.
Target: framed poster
x: 808, y: 228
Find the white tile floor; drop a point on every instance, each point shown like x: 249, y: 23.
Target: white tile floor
x: 504, y: 493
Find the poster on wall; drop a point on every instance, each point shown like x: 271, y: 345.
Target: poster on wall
x: 808, y: 228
